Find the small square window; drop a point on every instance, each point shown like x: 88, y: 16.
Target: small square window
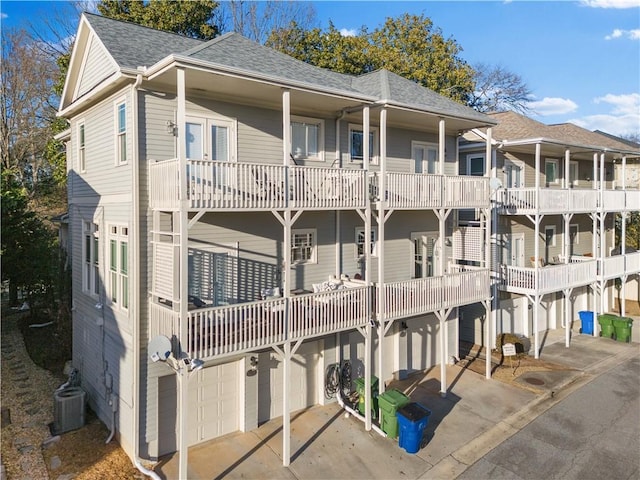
x: 303, y: 246
x: 360, y: 240
x: 356, y: 144
x: 306, y: 138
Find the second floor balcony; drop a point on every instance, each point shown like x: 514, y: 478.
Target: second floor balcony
x: 212, y: 185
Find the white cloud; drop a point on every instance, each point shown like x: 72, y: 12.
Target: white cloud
x: 618, y: 33
x: 3, y: 16
x: 553, y: 106
x: 348, y: 32
x: 611, y: 3
x: 623, y: 119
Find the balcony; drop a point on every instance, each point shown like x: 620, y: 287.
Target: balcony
x: 424, y: 295
x: 618, y: 265
x: 232, y: 329
x: 551, y: 278
x: 211, y: 185
x: 522, y: 201
x: 414, y: 191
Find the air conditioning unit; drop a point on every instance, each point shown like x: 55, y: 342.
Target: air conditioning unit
x: 68, y: 409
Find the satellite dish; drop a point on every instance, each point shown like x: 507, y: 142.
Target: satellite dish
x: 159, y: 348
x: 495, y: 183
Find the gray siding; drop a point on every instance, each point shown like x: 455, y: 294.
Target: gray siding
x: 98, y: 66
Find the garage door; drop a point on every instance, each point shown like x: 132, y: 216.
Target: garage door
x: 302, y: 379
x: 214, y: 402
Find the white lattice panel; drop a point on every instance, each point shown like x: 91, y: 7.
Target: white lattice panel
x: 164, y: 271
x: 468, y: 244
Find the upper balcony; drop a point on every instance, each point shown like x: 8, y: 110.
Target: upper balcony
x: 550, y: 278
x: 618, y: 265
x: 216, y: 332
x: 212, y: 185
x: 522, y: 201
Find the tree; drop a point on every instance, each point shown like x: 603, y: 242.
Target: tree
x: 409, y: 46
x: 195, y: 19
x: 497, y: 89
x: 256, y: 20
x: 28, y: 108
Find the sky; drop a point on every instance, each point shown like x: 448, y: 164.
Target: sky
x: 580, y: 59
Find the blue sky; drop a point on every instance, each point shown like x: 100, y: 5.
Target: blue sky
x: 581, y: 59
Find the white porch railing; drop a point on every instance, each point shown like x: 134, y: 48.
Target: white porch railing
x: 632, y: 263
x: 612, y: 200
x: 552, y: 278
x: 519, y: 201
x: 632, y: 199
x: 466, y: 191
x: 242, y: 327
x: 245, y: 186
x: 423, y: 295
x: 611, y: 267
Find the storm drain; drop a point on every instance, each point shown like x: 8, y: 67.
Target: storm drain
x: 534, y: 381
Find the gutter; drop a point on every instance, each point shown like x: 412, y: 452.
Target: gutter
x: 551, y: 141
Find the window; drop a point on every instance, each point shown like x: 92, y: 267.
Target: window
x: 573, y: 173
x: 573, y: 238
x: 303, y: 246
x: 307, y: 138
x: 119, y: 266
x: 550, y: 235
x: 360, y: 238
x: 424, y: 254
x: 121, y: 133
x: 82, y: 166
x: 551, y: 170
x: 356, y: 143
x: 475, y: 165
x: 91, y: 254
x: 425, y: 157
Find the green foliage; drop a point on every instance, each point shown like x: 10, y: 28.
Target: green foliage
x: 193, y: 19
x: 28, y: 246
x: 408, y: 45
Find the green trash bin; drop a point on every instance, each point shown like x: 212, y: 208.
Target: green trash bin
x: 606, y: 324
x: 374, y: 395
x: 622, y: 328
x: 390, y: 401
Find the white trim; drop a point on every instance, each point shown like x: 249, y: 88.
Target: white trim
x: 81, y: 157
x: 207, y: 121
x: 427, y: 145
x: 553, y: 237
x: 471, y: 156
x: 517, y: 163
x: 374, y: 241
x: 556, y: 162
x: 373, y: 149
x: 117, y: 103
x: 120, y: 236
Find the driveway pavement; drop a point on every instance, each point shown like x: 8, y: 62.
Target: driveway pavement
x: 476, y: 416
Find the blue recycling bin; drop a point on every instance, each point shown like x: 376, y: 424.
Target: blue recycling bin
x: 412, y: 420
x: 586, y: 319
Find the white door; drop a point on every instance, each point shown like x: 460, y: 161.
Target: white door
x: 512, y: 315
x: 513, y: 249
x: 425, y: 157
x: 513, y: 175
x: 303, y: 379
x: 211, y: 139
x: 424, y: 254
x: 215, y: 402
x: 423, y: 343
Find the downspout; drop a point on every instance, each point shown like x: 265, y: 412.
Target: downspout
x: 338, y: 164
x: 135, y: 287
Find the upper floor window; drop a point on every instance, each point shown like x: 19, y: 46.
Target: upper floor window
x: 551, y: 170
x: 121, y: 133
x: 82, y: 166
x: 303, y: 246
x: 475, y: 165
x: 360, y: 241
x: 307, y: 138
x: 91, y: 258
x: 356, y: 143
x: 119, y: 266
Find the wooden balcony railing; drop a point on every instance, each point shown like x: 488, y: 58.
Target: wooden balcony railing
x: 552, y: 278
x: 413, y: 190
x: 423, y: 295
x: 245, y: 186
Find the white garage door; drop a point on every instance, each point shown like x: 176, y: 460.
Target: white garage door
x: 302, y: 381
x: 214, y: 402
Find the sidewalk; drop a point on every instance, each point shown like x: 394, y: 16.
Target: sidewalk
x: 476, y: 415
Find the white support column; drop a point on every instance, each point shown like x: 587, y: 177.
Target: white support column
x: 567, y: 316
x: 441, y: 145
x: 381, y: 249
x: 567, y: 172
x: 490, y: 314
x: 286, y: 127
x: 286, y: 414
x: 366, y: 148
x: 367, y: 377
x: 183, y: 458
x: 536, y: 246
x: 595, y: 171
x: 443, y: 359
x: 624, y: 172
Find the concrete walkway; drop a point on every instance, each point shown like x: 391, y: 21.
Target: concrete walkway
x: 476, y: 416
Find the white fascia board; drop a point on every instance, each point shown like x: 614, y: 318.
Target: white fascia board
x: 434, y: 112
x: 188, y: 62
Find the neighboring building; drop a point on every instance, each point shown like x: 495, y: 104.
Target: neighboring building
x: 556, y: 197
x: 220, y: 193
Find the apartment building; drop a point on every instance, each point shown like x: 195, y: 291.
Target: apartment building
x: 557, y: 193
x: 265, y: 219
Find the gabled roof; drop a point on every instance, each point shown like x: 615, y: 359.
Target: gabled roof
x: 513, y: 127
x: 132, y: 45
